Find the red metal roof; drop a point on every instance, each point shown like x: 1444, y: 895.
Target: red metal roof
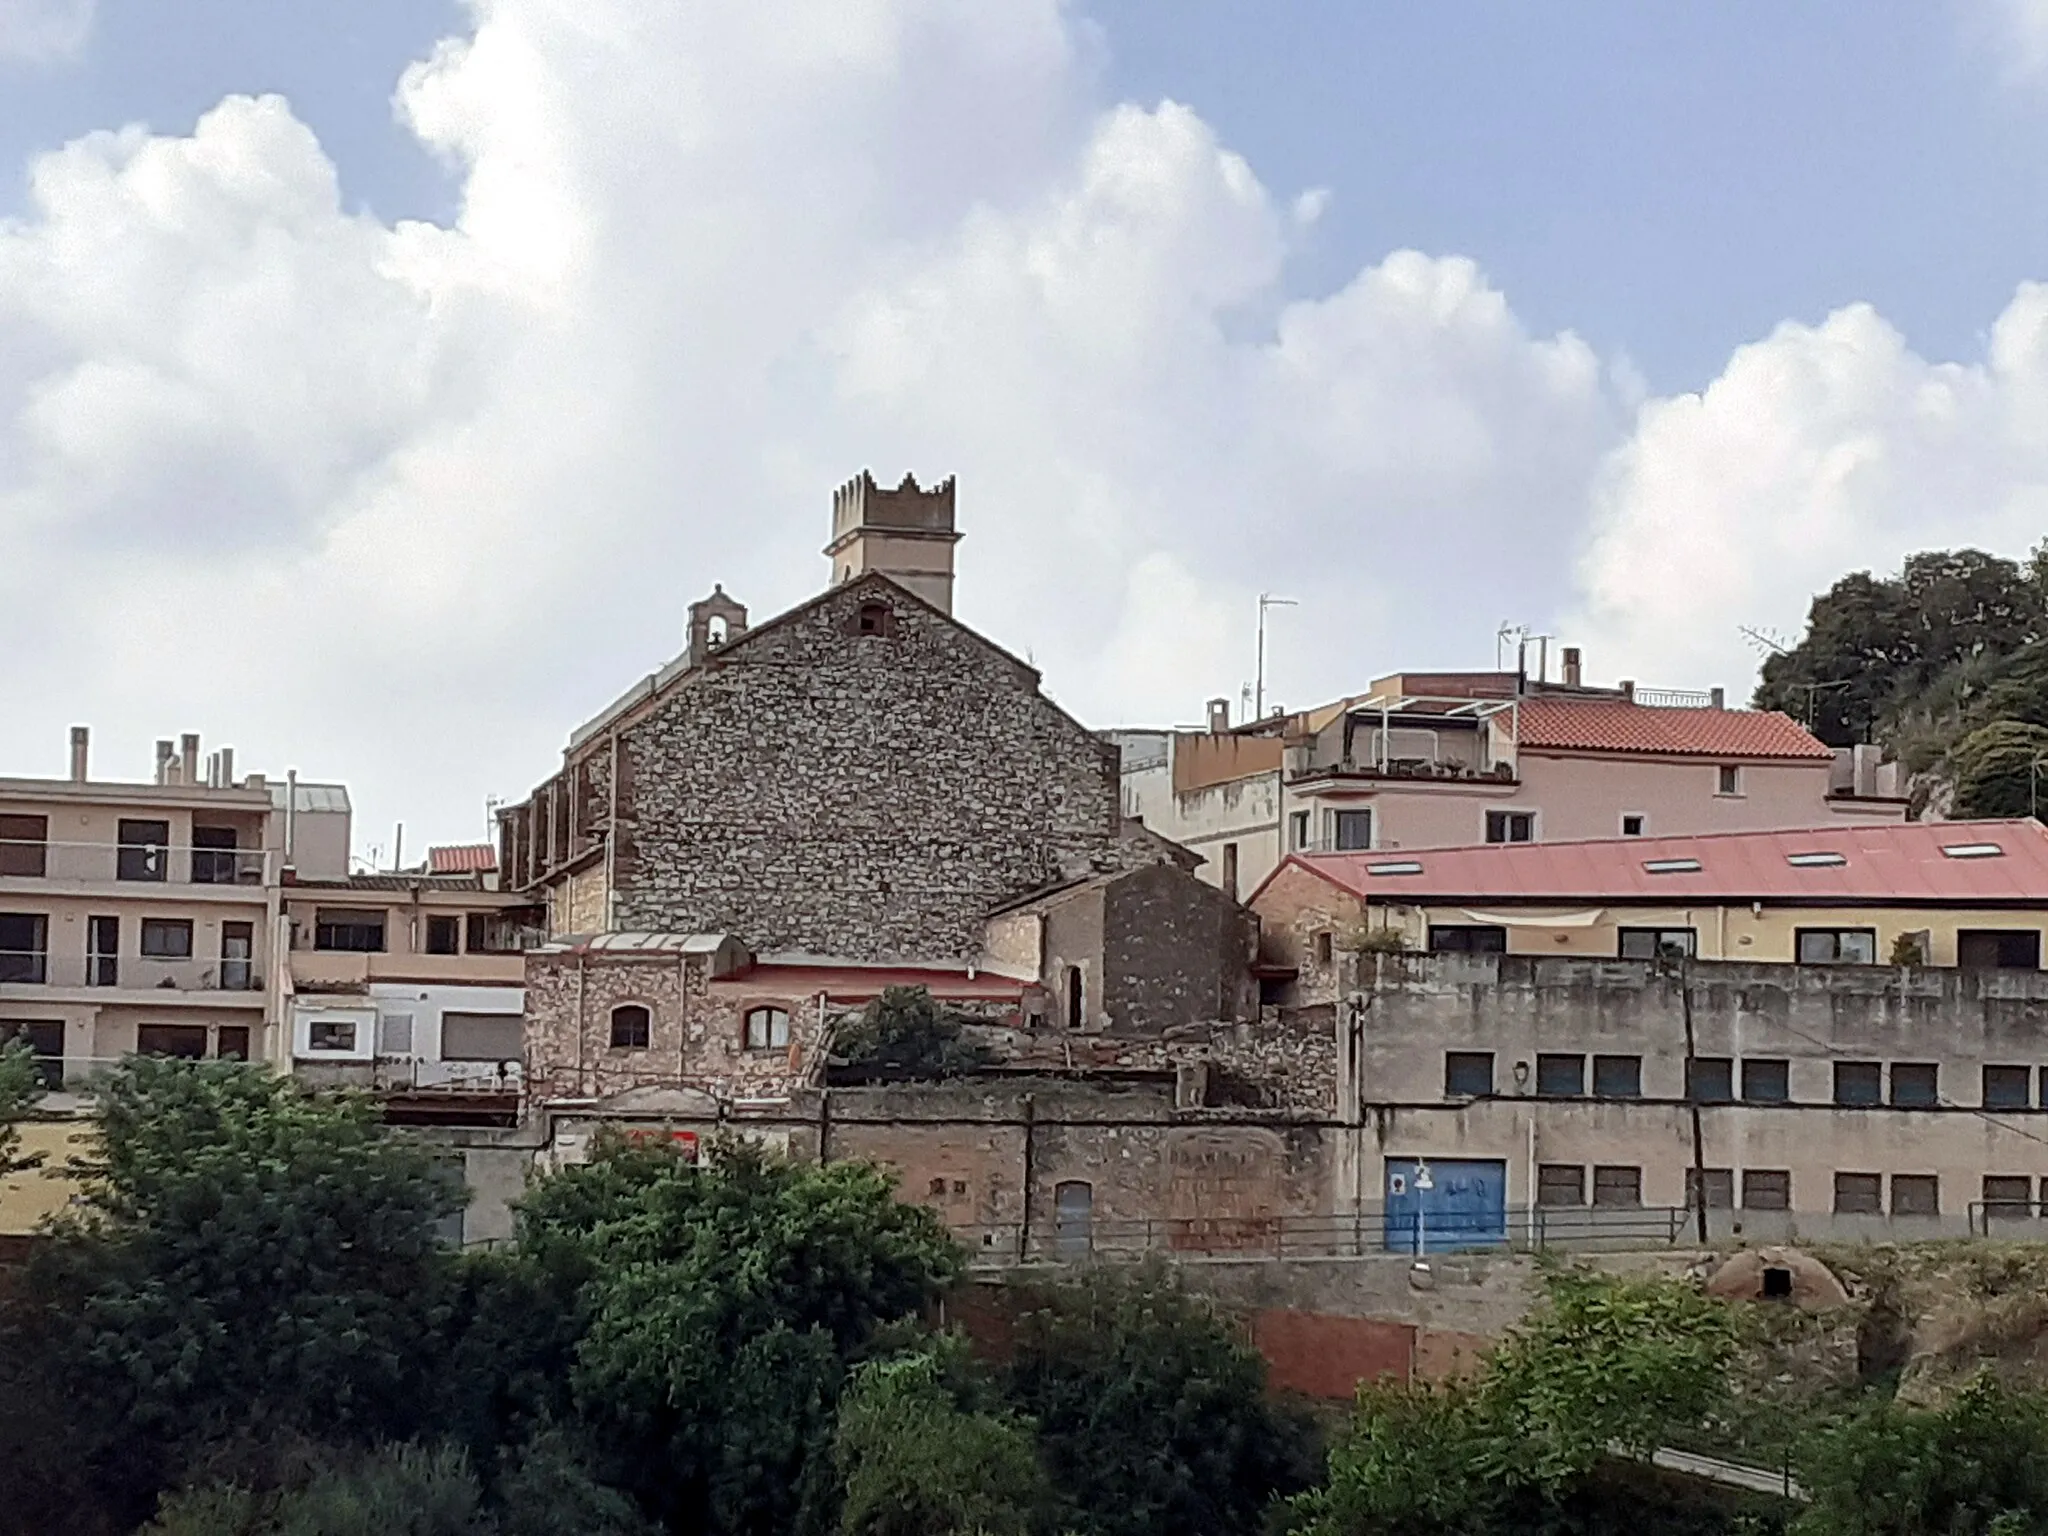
x: 1899, y: 862
x: 462, y: 859
x: 1603, y: 725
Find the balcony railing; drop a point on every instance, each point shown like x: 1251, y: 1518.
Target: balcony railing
x: 141, y: 864
x: 37, y: 967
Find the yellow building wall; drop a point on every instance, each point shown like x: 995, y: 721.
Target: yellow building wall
x: 1723, y: 932
x: 26, y: 1198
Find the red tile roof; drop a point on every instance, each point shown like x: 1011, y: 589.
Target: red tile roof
x: 462, y: 859
x: 1602, y: 725
x: 1898, y: 862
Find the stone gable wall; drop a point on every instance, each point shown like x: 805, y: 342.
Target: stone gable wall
x: 867, y: 796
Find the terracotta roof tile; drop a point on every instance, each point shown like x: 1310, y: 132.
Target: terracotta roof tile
x: 1895, y: 862
x: 1601, y: 725
x: 462, y: 859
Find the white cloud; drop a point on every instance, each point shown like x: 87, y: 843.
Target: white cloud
x: 2018, y: 30
x: 44, y: 31
x: 402, y: 504
x: 1819, y: 450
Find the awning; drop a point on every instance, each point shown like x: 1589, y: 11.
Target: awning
x: 1525, y: 920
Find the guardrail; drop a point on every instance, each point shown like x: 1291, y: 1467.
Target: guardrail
x: 148, y: 973
x: 1373, y: 1229
x: 137, y: 863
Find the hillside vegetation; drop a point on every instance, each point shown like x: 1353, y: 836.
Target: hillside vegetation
x: 1945, y: 663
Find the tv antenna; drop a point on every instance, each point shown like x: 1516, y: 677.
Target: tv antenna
x: 1266, y: 600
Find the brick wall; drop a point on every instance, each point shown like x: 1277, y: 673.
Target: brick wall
x: 865, y: 795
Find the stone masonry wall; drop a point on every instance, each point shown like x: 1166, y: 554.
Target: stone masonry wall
x: 1175, y: 950
x: 871, y: 796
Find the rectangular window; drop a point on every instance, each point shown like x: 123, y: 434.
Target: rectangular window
x: 1617, y: 1186
x: 1297, y: 830
x: 1767, y: 1189
x: 103, y: 951
x: 186, y: 1041
x: 338, y: 1035
x: 1352, y: 830
x: 144, y: 853
x: 499, y: 933
x: 1617, y: 1077
x: 444, y: 935
x: 1632, y: 825
x: 2003, y: 949
x: 213, y: 855
x: 167, y: 938
x: 1325, y: 947
x: 1510, y: 826
x: 481, y: 1037
x: 1468, y: 1074
x: 1916, y: 1194
x: 1719, y: 1184
x: 1560, y: 1184
x: 2008, y: 1196
x: 2008, y: 1087
x: 1859, y: 1084
x: 1859, y: 1194
x: 24, y: 845
x: 1710, y: 1080
x: 348, y: 929
x: 1835, y: 946
x: 1467, y: 939
x: 1560, y: 1077
x: 766, y: 1029
x: 237, y: 956
x: 394, y: 1034
x: 1728, y: 779
x: 1766, y: 1080
x: 233, y: 1042
x: 1656, y: 943
x: 24, y: 946
x: 45, y: 1038
x: 1915, y: 1085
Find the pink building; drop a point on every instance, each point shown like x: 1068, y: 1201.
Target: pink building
x: 1442, y: 760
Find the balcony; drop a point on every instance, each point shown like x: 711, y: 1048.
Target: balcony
x: 131, y: 973
x: 140, y: 864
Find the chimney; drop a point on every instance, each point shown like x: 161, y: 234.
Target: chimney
x: 1572, y: 670
x: 906, y: 534
x: 227, y: 767
x: 164, y: 749
x: 213, y: 770
x: 1219, y: 716
x: 1628, y: 689
x: 81, y: 739
x: 1718, y: 697
x: 188, y: 752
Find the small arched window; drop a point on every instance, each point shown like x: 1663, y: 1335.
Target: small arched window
x: 875, y: 619
x: 632, y: 1027
x: 767, y: 1029
x: 716, y: 630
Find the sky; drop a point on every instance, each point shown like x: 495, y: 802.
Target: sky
x: 380, y: 381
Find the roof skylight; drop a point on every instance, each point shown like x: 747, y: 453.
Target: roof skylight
x: 1972, y: 850
x: 1407, y: 867
x: 1815, y: 860
x: 1671, y: 866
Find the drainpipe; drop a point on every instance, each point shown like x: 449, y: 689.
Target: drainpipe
x: 1699, y: 1156
x: 582, y: 970
x: 1024, y: 1224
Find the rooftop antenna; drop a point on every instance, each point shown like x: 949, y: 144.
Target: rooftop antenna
x: 1266, y: 600
x: 1518, y: 633
x: 1763, y: 639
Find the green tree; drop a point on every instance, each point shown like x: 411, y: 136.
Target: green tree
x: 21, y: 1089
x: 915, y: 1462
x: 1413, y: 1461
x: 905, y: 1031
x: 1995, y: 770
x: 253, y: 1260
x: 1151, y: 1411
x: 1978, y: 1467
x: 402, y: 1490
x: 725, y: 1305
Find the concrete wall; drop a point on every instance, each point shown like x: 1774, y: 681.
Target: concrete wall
x: 1812, y: 1018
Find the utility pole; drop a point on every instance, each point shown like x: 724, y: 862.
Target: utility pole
x: 1266, y: 600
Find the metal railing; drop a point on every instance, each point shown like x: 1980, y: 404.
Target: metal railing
x: 1673, y: 698
x: 135, y: 863
x: 1372, y: 1230
x: 147, y: 973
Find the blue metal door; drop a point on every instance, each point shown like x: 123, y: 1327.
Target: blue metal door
x: 1442, y: 1205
